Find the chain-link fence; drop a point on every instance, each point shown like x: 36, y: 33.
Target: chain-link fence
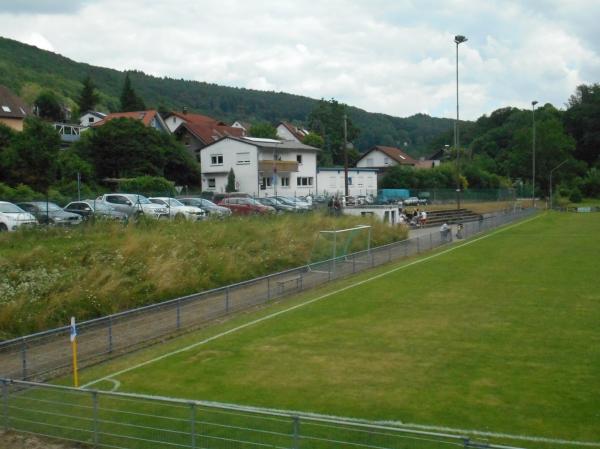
x: 42, y: 355
x: 131, y: 421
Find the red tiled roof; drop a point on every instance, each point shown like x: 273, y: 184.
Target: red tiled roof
x: 209, y: 132
x: 394, y: 153
x: 298, y: 133
x: 144, y: 116
x: 197, y: 118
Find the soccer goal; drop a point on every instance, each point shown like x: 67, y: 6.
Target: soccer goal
x: 333, y: 247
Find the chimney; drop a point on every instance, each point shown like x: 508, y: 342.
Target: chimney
x: 185, y: 109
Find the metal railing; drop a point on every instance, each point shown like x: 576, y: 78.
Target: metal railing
x: 130, y: 421
x: 42, y: 355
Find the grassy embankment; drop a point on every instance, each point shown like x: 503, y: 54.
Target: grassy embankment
x: 47, y: 276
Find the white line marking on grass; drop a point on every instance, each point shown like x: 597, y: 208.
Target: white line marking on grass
x: 297, y: 306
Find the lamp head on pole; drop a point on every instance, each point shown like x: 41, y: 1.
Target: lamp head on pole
x: 533, y: 103
x: 460, y: 39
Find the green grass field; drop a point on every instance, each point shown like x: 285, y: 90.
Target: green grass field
x: 497, y: 334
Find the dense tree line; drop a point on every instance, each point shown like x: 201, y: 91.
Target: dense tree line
x: 28, y: 70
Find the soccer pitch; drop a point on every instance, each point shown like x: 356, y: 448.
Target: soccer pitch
x: 499, y: 334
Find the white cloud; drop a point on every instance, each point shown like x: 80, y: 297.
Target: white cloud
x: 391, y: 57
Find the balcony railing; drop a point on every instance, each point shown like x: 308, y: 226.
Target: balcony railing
x: 267, y: 166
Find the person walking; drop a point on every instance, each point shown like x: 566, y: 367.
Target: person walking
x: 444, y: 232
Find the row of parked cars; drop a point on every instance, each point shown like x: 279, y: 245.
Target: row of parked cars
x: 123, y: 206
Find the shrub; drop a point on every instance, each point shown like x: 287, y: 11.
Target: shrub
x: 576, y: 195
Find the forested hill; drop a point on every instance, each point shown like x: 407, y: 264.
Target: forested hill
x: 27, y: 70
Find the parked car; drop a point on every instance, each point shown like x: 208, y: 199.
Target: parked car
x: 207, y: 206
x: 50, y: 213
x: 12, y: 217
x: 179, y: 210
x: 296, y: 203
x: 246, y: 206
x: 94, y: 209
x: 218, y: 197
x: 279, y: 206
x: 134, y: 205
x: 414, y: 201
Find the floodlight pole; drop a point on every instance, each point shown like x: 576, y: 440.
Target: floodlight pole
x: 346, y: 157
x: 457, y: 40
x: 551, y: 172
x: 533, y: 103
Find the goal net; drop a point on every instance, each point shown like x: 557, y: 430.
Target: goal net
x: 333, y: 247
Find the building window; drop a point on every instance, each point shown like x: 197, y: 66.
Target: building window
x: 216, y: 159
x: 285, y: 181
x: 212, y: 183
x: 243, y: 158
x: 386, y: 161
x: 299, y: 158
x: 304, y: 181
x: 174, y: 119
x: 90, y: 119
x: 266, y: 181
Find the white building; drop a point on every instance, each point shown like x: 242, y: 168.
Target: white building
x: 287, y: 131
x: 361, y: 181
x: 382, y: 157
x: 262, y: 167
x: 90, y: 118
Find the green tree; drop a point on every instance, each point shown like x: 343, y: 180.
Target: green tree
x: 49, y: 107
x: 88, y: 98
x: 327, y: 120
x: 230, y: 181
x: 264, y: 130
x: 31, y: 157
x: 124, y: 148
x: 130, y: 101
x: 582, y: 120
x: 314, y: 140
x: 149, y: 185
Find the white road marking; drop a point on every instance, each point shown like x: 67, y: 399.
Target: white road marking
x: 297, y: 306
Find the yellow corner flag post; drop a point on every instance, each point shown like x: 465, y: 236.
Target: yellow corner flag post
x: 74, y: 348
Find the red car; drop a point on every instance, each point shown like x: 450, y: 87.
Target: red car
x: 245, y: 206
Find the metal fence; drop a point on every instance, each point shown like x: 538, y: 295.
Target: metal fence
x: 43, y: 355
x: 130, y: 421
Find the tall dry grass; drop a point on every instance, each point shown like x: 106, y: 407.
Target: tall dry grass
x: 47, y: 276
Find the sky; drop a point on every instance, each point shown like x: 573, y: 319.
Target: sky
x: 391, y: 56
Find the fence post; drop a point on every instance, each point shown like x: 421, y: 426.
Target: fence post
x: 296, y: 443
x: 227, y: 300
x: 110, y: 338
x: 268, y: 288
x: 193, y: 424
x: 95, y: 417
x: 431, y: 240
x: 24, y: 358
x: 5, y: 403
x: 418, y: 247
x: 178, y: 314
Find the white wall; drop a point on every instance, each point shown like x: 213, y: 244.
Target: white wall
x: 386, y: 214
x: 237, y: 155
x: 285, y: 133
x: 331, y: 183
x: 306, y: 169
x: 376, y: 159
x: 173, y: 122
x: 84, y: 120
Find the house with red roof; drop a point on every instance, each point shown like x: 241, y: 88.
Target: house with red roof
x: 150, y: 118
x: 288, y: 131
x: 13, y: 109
x: 196, y: 131
x: 382, y: 157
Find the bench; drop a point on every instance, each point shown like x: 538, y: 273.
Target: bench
x: 281, y: 284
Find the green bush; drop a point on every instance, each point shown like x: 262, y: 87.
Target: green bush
x: 576, y: 196
x: 148, y: 185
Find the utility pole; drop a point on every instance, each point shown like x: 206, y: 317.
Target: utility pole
x: 533, y: 103
x: 346, y: 157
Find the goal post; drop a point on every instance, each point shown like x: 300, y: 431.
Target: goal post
x: 334, y: 246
